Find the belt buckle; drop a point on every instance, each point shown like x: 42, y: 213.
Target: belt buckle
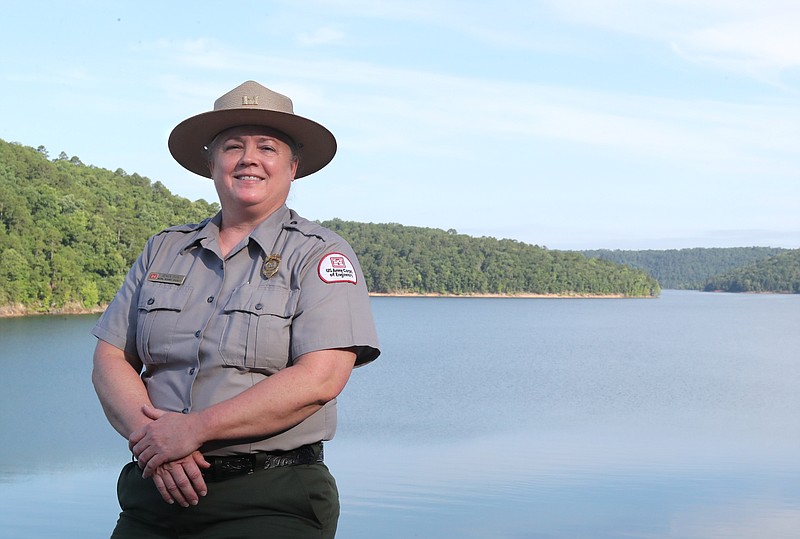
x: 224, y: 467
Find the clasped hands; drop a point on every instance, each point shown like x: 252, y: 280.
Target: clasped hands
x: 166, y: 449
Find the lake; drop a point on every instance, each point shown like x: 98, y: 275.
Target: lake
x: 674, y: 417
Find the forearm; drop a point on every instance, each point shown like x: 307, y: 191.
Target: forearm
x: 119, y: 388
x: 279, y: 402
x: 265, y: 409
x: 273, y: 405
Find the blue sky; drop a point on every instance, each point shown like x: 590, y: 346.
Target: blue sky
x: 574, y: 124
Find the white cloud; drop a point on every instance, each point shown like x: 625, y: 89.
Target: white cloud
x: 705, y: 133
x: 761, y: 47
x: 751, y: 38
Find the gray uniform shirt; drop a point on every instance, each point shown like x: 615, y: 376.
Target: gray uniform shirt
x: 208, y: 328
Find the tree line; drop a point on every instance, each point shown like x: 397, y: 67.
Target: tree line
x: 779, y: 273
x: 69, y: 232
x: 687, y: 269
x: 402, y: 259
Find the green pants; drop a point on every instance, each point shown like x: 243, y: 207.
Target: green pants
x: 291, y: 502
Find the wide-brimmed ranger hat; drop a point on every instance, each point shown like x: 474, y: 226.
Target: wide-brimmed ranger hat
x: 251, y: 104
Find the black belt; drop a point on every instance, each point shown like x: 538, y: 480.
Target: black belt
x: 230, y: 466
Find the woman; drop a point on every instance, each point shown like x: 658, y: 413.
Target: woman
x: 221, y: 356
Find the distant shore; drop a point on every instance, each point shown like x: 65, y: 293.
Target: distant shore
x: 12, y: 311
x: 551, y: 296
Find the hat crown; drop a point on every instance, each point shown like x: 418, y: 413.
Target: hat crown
x: 252, y: 95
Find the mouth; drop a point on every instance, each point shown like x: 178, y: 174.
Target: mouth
x: 248, y: 178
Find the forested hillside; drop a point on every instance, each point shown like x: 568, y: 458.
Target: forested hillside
x: 780, y: 273
x: 398, y: 258
x: 69, y: 232
x: 687, y: 269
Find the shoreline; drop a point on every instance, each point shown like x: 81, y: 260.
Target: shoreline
x: 522, y: 295
x: 18, y: 311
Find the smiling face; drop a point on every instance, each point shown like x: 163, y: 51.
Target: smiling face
x: 252, y: 168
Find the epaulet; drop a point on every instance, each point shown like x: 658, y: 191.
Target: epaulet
x: 187, y: 228
x: 308, y: 228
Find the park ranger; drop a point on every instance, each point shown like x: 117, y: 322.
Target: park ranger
x: 222, y: 354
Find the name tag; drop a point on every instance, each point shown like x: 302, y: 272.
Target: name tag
x: 168, y: 278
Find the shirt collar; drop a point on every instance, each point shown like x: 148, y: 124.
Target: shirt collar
x: 267, y: 231
x: 264, y: 234
x: 202, y: 233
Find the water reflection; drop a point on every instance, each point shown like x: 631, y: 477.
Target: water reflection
x: 70, y: 503
x: 669, y: 418
x: 513, y: 487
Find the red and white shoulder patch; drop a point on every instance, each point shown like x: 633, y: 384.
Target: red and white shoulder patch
x: 336, y: 268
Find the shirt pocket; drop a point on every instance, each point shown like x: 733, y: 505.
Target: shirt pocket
x: 159, y: 309
x: 257, y: 328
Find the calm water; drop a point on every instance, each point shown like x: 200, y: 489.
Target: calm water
x: 510, y: 418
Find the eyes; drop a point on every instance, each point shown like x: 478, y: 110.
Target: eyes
x: 236, y: 146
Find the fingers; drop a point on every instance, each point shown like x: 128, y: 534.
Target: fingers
x: 168, y: 437
x: 161, y: 484
x: 200, y: 460
x: 152, y: 413
x: 144, y: 450
x: 195, y: 475
x: 180, y: 482
x: 150, y: 462
x: 134, y: 439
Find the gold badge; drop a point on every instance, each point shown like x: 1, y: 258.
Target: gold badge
x: 270, y: 266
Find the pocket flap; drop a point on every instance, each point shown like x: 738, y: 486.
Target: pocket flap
x: 272, y: 300
x: 154, y: 296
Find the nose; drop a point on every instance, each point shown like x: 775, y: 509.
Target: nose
x: 248, y: 156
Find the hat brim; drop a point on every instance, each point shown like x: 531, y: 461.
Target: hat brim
x: 187, y: 142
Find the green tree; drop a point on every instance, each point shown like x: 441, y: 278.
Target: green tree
x: 15, y: 276
x: 69, y: 232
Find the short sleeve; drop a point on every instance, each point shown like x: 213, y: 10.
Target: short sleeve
x: 117, y: 325
x: 333, y: 309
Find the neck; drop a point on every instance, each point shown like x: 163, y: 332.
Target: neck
x: 236, y: 225
x: 242, y: 219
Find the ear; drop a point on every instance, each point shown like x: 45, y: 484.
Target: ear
x: 295, y: 165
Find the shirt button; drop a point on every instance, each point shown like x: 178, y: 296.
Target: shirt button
x: 197, y: 333
x: 209, y: 299
x: 151, y: 301
x: 191, y: 371
x: 185, y: 411
x: 259, y: 306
